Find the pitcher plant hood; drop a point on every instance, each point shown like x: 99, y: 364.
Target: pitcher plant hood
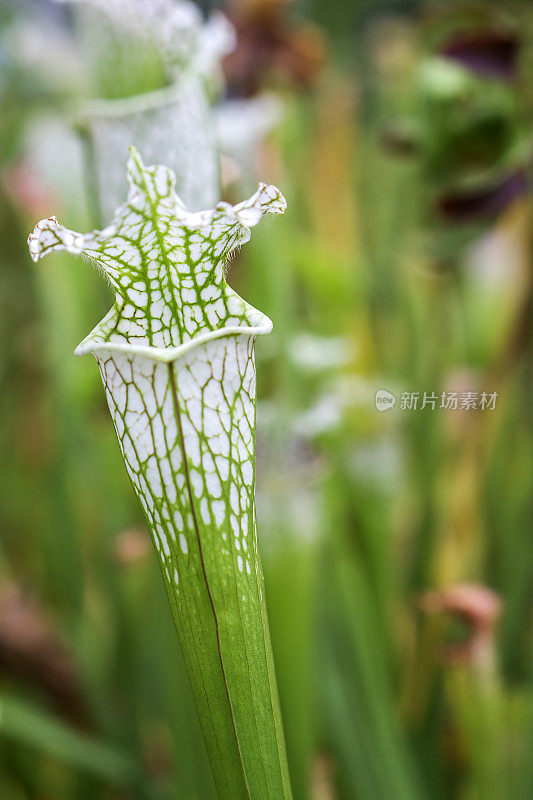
x: 166, y: 265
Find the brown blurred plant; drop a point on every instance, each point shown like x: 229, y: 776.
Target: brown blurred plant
x: 270, y: 45
x: 26, y: 190
x: 322, y: 778
x: 131, y: 546
x: 479, y: 609
x: 31, y: 652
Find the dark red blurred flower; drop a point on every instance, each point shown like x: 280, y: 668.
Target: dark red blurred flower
x: 486, y: 52
x: 469, y: 206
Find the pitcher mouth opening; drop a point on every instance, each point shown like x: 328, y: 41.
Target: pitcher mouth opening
x: 168, y: 354
x: 118, y: 107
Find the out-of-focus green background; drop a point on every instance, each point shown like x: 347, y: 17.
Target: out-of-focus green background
x: 397, y: 545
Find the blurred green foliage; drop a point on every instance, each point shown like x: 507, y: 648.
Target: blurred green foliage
x: 361, y: 513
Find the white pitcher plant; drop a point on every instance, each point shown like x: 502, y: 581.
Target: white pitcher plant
x: 167, y: 48
x: 176, y: 356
